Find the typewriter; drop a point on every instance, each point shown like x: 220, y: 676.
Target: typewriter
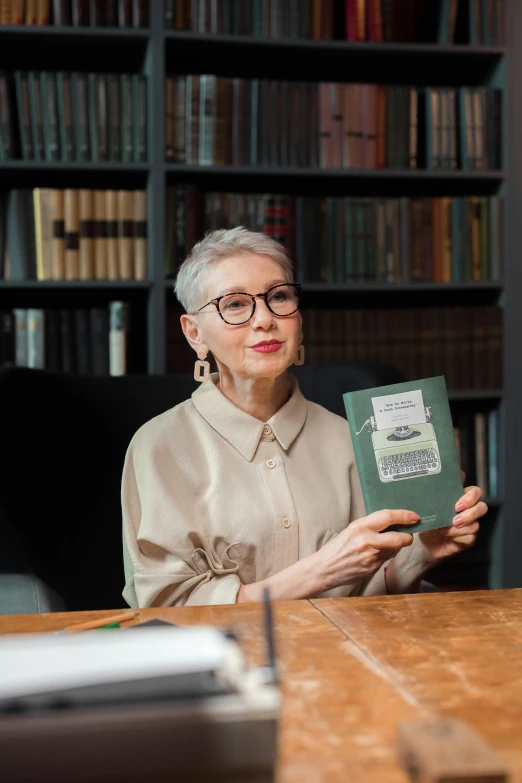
x: 404, y: 451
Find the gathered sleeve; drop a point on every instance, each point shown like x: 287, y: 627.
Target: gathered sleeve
x: 170, y: 558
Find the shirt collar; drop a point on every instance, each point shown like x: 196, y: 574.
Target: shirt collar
x: 243, y: 431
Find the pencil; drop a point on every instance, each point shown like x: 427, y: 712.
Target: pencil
x: 114, y: 618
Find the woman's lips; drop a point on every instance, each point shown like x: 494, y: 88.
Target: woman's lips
x: 267, y: 348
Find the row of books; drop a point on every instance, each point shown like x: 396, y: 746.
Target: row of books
x: 52, y: 234
x: 441, y: 21
x: 216, y: 120
x: 47, y: 116
x: 477, y: 436
x: 84, y: 341
x: 462, y: 343
x: 76, y: 13
x: 358, y: 240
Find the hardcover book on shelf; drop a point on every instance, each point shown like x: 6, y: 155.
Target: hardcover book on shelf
x: 405, y: 450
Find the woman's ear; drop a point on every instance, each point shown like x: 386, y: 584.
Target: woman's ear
x: 190, y: 329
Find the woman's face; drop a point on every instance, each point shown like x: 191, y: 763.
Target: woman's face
x: 232, y: 345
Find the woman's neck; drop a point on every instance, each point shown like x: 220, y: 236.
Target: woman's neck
x: 260, y: 398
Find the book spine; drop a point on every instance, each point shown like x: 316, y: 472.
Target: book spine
x: 53, y: 361
x: 8, y: 338
x: 58, y: 240
x: 100, y: 236
x: 139, y: 118
x: 36, y: 339
x: 125, y: 235
x: 68, y: 341
x: 65, y: 123
x: 20, y: 337
x: 92, y: 87
x: 118, y: 338
x: 86, y: 250
x: 72, y: 235
x: 99, y: 334
x: 360, y: 461
x: 111, y: 217
x: 140, y: 234
x: 82, y: 341
x: 126, y: 118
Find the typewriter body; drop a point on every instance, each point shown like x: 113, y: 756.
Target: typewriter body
x: 409, y: 449
x: 406, y: 452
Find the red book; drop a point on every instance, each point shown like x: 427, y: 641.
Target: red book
x: 351, y: 20
x: 374, y: 20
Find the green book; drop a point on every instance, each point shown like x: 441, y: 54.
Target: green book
x: 126, y: 117
x: 35, y: 105
x: 49, y: 117
x: 405, y: 450
x: 92, y: 96
x: 65, y: 122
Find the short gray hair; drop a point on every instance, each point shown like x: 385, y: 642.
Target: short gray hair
x: 216, y: 245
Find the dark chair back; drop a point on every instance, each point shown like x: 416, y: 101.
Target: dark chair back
x: 63, y: 442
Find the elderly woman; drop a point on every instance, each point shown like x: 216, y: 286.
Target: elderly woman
x: 247, y: 484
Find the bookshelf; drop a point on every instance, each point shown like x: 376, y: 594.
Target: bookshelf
x: 157, y: 51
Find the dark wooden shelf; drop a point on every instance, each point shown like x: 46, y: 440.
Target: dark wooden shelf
x: 318, y: 60
x: 109, y: 174
x: 28, y: 47
x: 74, y: 284
x: 51, y: 30
x: 297, y: 171
x: 295, y: 180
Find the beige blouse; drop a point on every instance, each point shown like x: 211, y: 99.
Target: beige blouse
x: 213, y: 498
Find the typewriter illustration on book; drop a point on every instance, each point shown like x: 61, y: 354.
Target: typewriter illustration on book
x: 403, y: 437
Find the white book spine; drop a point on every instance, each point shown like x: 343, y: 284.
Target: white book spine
x: 118, y: 339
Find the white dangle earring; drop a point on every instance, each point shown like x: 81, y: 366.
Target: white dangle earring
x: 201, y: 364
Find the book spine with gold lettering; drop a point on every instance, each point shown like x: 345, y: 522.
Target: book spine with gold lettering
x: 72, y: 235
x: 100, y: 236
x: 58, y: 234
x: 140, y: 234
x: 125, y: 234
x: 86, y: 207
x: 111, y: 223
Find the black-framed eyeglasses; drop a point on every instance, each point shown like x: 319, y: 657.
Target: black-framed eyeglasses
x: 239, y: 307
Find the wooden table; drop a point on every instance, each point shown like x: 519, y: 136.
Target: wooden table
x: 353, y: 668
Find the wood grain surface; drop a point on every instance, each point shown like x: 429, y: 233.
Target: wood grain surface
x: 353, y: 668
x: 456, y: 654
x: 338, y: 718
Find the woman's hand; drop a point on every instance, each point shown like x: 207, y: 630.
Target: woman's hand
x: 361, y: 548
x: 447, y: 541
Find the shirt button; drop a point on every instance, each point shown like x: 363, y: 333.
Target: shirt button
x: 286, y: 522
x: 267, y: 430
x: 270, y: 463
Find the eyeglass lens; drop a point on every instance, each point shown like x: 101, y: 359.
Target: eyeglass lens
x: 239, y: 308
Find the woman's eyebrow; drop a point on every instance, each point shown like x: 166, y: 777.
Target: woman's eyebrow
x: 238, y: 290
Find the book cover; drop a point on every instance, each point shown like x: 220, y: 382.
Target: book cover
x: 405, y: 450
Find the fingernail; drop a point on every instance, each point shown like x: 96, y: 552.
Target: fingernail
x: 460, y: 507
x: 458, y: 521
x: 414, y: 517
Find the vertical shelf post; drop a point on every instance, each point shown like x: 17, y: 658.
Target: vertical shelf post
x: 155, y: 69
